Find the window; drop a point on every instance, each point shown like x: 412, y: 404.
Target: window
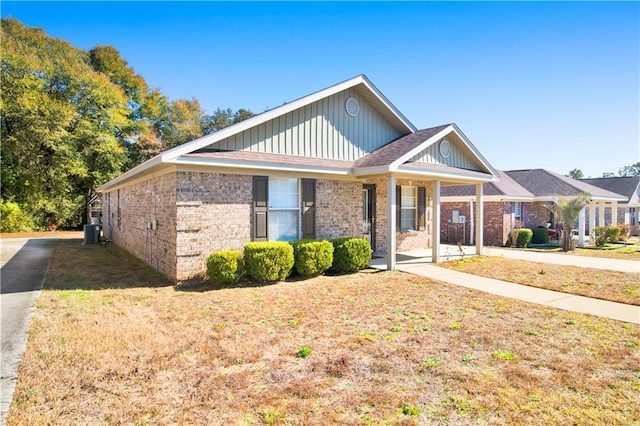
x: 284, y: 209
x: 408, y: 208
x: 517, y: 211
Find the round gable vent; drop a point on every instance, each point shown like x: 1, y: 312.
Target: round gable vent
x: 352, y: 106
x: 445, y: 148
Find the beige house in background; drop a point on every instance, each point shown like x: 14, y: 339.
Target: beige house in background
x: 343, y: 161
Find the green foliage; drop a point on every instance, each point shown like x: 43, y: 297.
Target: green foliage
x: 505, y: 355
x: 350, y: 254
x: 602, y: 235
x: 520, y: 237
x: 13, y: 219
x: 268, y: 261
x: 224, y: 267
x: 312, y: 257
x: 304, y: 352
x: 540, y: 235
x: 431, y: 362
x: 630, y: 170
x: 567, y: 210
x: 411, y: 410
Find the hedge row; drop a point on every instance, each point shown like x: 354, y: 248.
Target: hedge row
x: 602, y: 235
x: 273, y: 261
x: 520, y: 237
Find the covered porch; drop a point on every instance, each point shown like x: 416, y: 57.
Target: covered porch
x: 446, y: 253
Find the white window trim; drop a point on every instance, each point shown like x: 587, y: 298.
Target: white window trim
x: 297, y: 209
x: 414, y: 208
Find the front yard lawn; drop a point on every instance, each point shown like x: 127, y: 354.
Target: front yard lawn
x: 111, y: 343
x: 600, y: 284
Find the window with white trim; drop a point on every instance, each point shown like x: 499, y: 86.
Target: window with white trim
x: 408, y: 208
x: 284, y: 209
x: 517, y: 211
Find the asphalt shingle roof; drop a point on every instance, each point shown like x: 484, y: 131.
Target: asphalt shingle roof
x: 390, y: 152
x: 541, y: 183
x: 506, y: 187
x: 625, y: 185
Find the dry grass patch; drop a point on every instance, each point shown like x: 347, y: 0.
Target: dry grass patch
x: 600, y: 284
x: 383, y: 348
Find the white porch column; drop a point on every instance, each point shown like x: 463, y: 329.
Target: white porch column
x: 614, y: 213
x: 391, y: 223
x: 472, y: 223
x: 435, y: 222
x: 479, y: 219
x: 581, y: 227
x: 601, y: 214
x: 592, y: 215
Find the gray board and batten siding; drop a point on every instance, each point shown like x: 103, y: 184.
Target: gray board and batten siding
x: 459, y: 155
x: 321, y: 129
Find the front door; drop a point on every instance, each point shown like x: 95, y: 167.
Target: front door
x: 369, y: 214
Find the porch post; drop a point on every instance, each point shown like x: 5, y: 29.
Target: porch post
x: 472, y: 223
x: 581, y: 227
x: 601, y: 214
x: 479, y: 219
x: 435, y: 222
x: 592, y: 215
x: 614, y: 213
x: 391, y: 223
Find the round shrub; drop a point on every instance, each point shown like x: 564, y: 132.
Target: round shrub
x: 224, y: 267
x: 312, y: 257
x: 350, y: 254
x: 540, y: 236
x: 268, y: 261
x: 602, y: 235
x: 520, y: 237
x: 13, y: 218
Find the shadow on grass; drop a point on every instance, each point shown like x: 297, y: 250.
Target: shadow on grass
x: 203, y: 286
x: 96, y: 267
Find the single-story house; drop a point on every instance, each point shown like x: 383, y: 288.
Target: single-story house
x: 519, y: 199
x: 628, y: 186
x: 343, y: 161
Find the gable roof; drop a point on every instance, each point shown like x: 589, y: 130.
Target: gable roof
x: 545, y: 184
x: 629, y: 186
x: 391, y: 157
x: 505, y: 189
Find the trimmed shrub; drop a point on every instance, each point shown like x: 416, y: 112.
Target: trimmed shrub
x: 350, y: 254
x: 520, y: 237
x: 312, y: 257
x: 540, y: 236
x: 268, y: 261
x: 13, y: 219
x: 602, y: 235
x: 225, y: 267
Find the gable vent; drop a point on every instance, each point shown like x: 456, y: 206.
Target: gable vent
x: 445, y: 148
x: 352, y: 106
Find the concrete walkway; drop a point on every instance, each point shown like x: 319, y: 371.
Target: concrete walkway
x: 567, y: 259
x: 419, y: 263
x: 24, y: 263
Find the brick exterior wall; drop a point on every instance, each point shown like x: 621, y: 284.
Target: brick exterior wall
x: 535, y: 214
x: 199, y: 213
x: 338, y: 209
x: 497, y: 222
x: 127, y: 212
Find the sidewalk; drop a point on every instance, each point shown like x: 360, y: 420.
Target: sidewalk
x: 567, y: 259
x: 422, y: 266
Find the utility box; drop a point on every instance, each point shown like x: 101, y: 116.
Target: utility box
x: 91, y: 234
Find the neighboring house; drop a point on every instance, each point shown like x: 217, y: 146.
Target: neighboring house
x: 629, y: 186
x: 339, y: 162
x: 520, y: 198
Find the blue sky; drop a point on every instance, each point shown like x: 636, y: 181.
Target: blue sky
x: 551, y: 85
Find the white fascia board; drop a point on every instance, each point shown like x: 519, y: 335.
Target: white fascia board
x: 410, y: 127
x: 256, y: 165
x: 406, y: 157
x: 277, y: 112
x: 139, y: 169
x: 475, y: 151
x: 447, y: 176
x: 592, y: 198
x: 486, y: 198
x: 366, y: 171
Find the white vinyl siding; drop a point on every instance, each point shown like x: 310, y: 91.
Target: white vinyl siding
x: 322, y: 129
x: 284, y: 209
x: 408, y: 208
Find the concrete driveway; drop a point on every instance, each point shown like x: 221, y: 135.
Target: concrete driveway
x: 24, y: 263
